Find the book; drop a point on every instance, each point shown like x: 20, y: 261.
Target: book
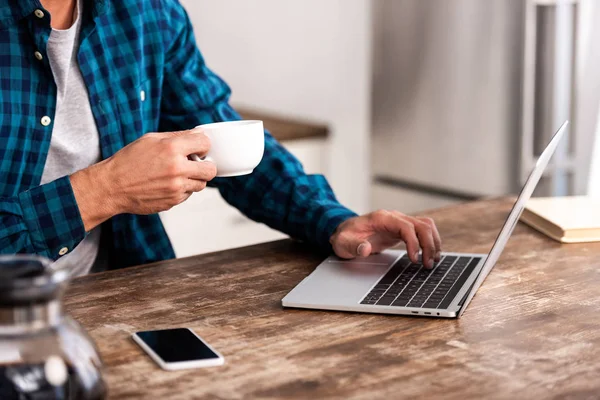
x: 572, y: 219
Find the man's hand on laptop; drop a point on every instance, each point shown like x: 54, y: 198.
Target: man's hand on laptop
x: 372, y: 233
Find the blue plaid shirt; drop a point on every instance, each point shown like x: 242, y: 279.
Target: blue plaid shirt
x: 127, y: 46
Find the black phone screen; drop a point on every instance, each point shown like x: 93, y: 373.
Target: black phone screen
x: 176, y: 345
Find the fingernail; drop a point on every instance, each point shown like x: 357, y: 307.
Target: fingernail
x: 360, y: 248
x: 431, y: 263
x: 438, y: 255
x: 416, y: 255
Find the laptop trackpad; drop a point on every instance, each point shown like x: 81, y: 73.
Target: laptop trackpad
x: 341, y: 282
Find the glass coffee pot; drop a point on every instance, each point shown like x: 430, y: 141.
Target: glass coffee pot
x: 44, y: 354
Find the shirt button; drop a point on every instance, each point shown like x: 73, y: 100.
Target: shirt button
x: 63, y: 251
x: 39, y: 13
x: 46, y: 120
x: 38, y: 55
x: 143, y: 95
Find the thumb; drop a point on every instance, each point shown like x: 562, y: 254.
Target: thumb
x: 364, y: 249
x: 352, y: 247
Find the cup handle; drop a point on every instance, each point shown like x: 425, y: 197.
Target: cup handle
x: 196, y: 157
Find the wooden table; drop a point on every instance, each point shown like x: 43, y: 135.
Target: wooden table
x: 532, y: 331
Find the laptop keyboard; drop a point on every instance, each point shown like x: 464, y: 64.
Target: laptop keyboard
x: 411, y: 285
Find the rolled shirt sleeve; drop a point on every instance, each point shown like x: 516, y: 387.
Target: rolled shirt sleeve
x: 44, y: 220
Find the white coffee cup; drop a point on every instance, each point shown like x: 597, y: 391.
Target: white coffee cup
x: 236, y: 147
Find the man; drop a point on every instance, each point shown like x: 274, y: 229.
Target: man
x: 81, y: 85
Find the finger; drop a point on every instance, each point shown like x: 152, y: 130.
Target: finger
x: 186, y: 196
x: 180, y: 198
x: 400, y: 226
x: 194, y: 185
x: 200, y: 170
x: 437, y: 240
x: 425, y: 235
x: 190, y: 142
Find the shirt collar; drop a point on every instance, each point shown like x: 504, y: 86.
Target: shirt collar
x: 13, y: 11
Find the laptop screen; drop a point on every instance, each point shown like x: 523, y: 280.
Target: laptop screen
x: 515, y: 213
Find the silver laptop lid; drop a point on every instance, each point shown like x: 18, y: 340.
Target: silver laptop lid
x: 515, y: 213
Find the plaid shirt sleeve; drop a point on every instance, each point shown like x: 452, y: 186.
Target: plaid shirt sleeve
x: 42, y: 220
x: 278, y: 192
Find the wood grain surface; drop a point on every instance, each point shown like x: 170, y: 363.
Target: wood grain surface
x: 286, y: 129
x: 531, y: 332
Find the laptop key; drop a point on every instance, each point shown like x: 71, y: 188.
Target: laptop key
x: 463, y: 261
x: 422, y: 296
x: 399, y: 303
x: 431, y: 304
x: 381, y: 287
x: 386, y: 300
x: 403, y: 300
x: 437, y: 295
x: 390, y: 277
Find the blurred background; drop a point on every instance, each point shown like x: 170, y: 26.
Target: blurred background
x: 404, y: 104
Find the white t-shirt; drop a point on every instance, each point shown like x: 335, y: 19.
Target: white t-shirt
x: 75, y: 142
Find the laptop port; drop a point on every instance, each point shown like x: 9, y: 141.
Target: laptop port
x: 427, y: 313
x: 415, y: 312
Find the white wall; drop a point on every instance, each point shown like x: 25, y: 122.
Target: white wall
x: 304, y: 58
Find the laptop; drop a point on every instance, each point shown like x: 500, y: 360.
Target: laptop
x: 389, y: 283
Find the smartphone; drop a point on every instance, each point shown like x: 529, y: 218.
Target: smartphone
x: 178, y: 348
